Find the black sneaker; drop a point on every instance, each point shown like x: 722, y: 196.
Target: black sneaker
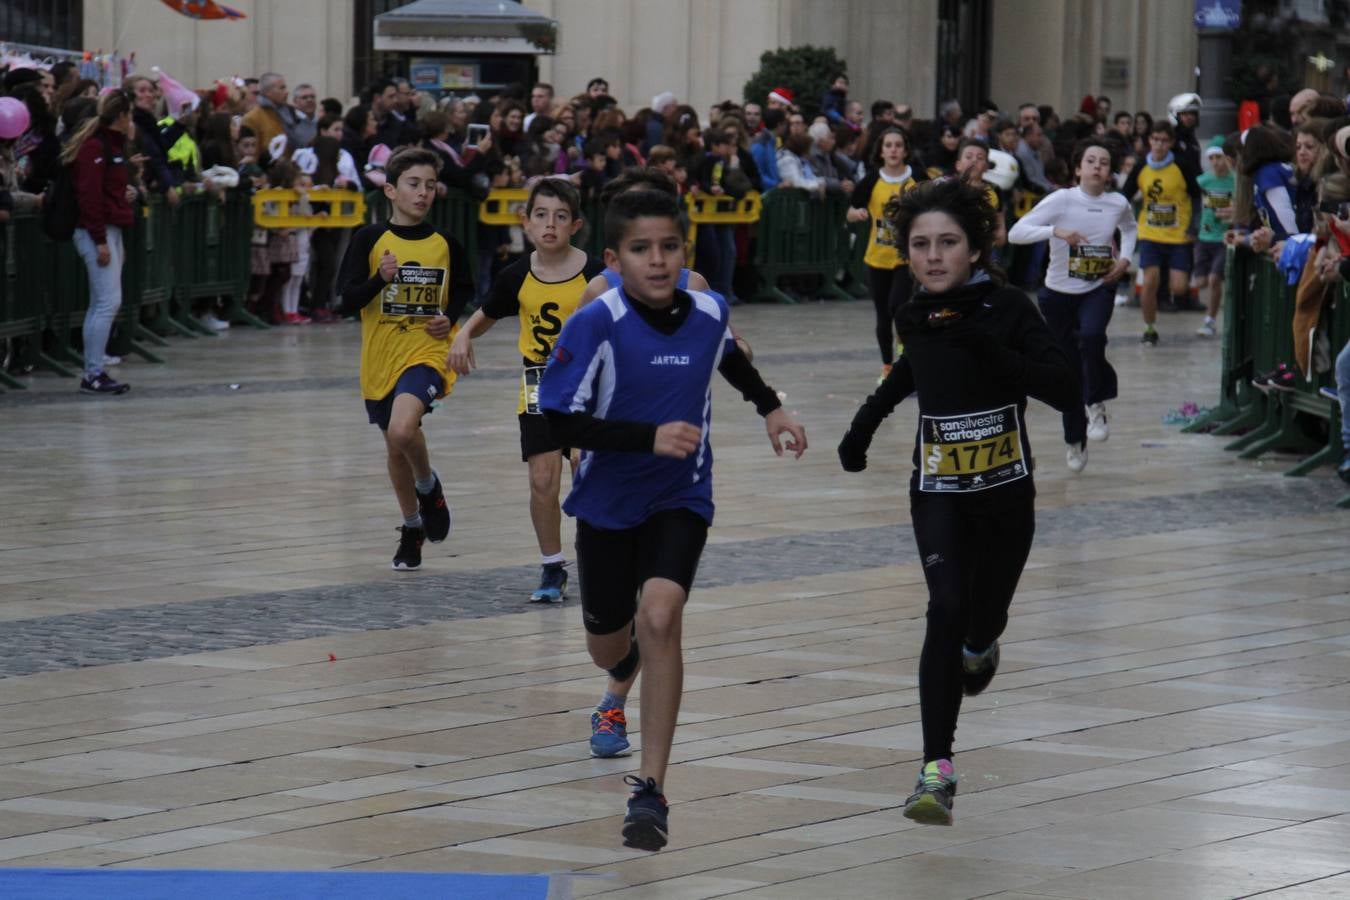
x: 103, y: 385
x: 644, y: 828
x: 1150, y: 337
x: 435, y: 512
x: 552, y: 585
x: 409, y: 555
x: 977, y: 669
x: 931, y: 802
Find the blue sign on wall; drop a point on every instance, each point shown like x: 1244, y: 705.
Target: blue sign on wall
x: 1218, y: 14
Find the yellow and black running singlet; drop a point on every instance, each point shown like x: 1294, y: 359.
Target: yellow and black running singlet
x: 883, y: 251
x: 1166, y: 211
x: 542, y: 307
x: 433, y: 279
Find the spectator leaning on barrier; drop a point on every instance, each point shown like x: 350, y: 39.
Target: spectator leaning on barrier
x: 159, y: 178
x: 793, y: 168
x: 37, y: 151
x: 104, y: 194
x: 764, y: 149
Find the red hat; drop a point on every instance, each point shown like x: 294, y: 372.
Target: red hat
x: 1088, y: 106
x: 782, y: 95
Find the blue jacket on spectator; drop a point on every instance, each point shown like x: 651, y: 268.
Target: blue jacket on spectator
x: 832, y: 105
x: 764, y: 150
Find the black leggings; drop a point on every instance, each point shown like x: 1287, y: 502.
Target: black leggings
x: 879, y: 282
x: 973, y: 552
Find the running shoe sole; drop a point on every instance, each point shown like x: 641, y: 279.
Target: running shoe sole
x: 549, y: 596
x: 928, y: 810
x: 404, y: 567
x: 617, y: 754
x: 644, y: 833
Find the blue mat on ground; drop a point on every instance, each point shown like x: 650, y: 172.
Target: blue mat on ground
x: 176, y: 884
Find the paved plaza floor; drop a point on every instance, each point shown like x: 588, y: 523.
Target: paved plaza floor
x: 206, y: 662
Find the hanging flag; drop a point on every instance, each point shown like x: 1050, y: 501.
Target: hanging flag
x: 203, y: 9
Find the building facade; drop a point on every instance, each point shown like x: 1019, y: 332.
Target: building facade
x: 915, y: 51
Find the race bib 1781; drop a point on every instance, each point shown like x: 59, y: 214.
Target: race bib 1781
x: 970, y: 452
x: 415, y: 291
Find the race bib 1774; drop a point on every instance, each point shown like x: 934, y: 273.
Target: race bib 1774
x: 1090, y: 261
x: 970, y: 452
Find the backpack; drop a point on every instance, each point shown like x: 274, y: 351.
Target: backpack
x: 61, y: 206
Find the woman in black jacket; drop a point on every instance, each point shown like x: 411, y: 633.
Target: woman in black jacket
x: 975, y: 350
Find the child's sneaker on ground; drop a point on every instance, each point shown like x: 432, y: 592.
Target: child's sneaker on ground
x: 609, y: 734
x: 1075, y: 455
x: 977, y: 669
x: 552, y: 585
x: 1280, y: 378
x: 931, y: 802
x: 409, y: 555
x: 1206, y: 328
x: 646, y: 825
x: 435, y: 512
x: 1150, y: 337
x: 1097, y: 429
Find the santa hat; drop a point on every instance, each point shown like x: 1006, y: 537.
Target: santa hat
x: 175, y: 95
x: 782, y: 95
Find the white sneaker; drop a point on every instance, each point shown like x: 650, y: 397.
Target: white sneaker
x: 1097, y: 430
x: 213, y: 323
x: 1076, y: 456
x: 1206, y: 328
x: 109, y: 360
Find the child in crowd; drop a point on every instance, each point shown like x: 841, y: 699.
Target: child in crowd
x: 275, y: 252
x: 409, y: 283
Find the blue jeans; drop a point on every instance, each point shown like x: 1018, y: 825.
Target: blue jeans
x: 715, y: 257
x: 1078, y: 322
x: 105, y: 295
x: 1343, y: 393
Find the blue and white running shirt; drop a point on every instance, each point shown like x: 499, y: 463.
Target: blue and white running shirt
x: 610, y: 363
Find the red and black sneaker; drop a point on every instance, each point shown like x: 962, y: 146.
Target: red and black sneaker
x: 1280, y: 378
x: 435, y: 512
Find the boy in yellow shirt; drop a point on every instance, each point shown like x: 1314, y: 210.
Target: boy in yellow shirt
x: 410, y: 283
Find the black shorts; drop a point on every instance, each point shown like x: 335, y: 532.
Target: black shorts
x: 613, y: 565
x: 535, y: 437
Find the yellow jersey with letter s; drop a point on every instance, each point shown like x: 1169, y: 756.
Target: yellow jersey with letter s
x: 1166, y: 211
x: 883, y: 251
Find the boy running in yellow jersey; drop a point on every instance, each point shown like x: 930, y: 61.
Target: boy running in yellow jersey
x: 542, y: 290
x: 1166, y: 184
x: 409, y: 282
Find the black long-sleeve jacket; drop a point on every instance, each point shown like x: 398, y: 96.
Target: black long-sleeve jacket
x: 973, y: 356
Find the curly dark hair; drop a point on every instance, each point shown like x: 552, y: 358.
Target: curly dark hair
x: 967, y: 204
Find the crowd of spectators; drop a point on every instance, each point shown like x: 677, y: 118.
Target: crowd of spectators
x: 262, y: 131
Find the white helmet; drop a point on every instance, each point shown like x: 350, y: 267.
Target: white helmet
x: 1182, y: 103
x: 1003, y: 170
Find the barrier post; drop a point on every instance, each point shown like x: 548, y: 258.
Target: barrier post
x: 127, y: 338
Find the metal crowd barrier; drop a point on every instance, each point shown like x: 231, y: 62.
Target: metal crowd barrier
x: 1258, y: 308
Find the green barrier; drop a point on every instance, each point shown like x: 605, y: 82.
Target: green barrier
x: 1258, y: 314
x: 799, y: 235
x: 211, y: 245
x: 22, y: 308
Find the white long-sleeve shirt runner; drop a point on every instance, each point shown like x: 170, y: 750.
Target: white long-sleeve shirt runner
x: 1079, y: 269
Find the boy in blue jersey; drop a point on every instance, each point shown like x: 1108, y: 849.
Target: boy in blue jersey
x: 630, y: 382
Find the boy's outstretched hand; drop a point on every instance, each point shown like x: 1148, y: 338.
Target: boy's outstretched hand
x: 778, y: 423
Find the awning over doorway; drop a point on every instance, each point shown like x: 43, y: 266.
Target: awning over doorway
x: 475, y: 27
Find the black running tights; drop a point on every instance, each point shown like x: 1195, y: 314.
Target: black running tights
x: 972, y: 551
x: 879, y: 282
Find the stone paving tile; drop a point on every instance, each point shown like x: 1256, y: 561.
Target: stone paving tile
x: 148, y: 632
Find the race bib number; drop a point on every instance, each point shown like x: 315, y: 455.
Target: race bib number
x: 415, y: 291
x: 886, y: 234
x: 1090, y: 261
x: 970, y: 452
x: 529, y: 386
x: 1162, y: 215
x: 1218, y: 201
